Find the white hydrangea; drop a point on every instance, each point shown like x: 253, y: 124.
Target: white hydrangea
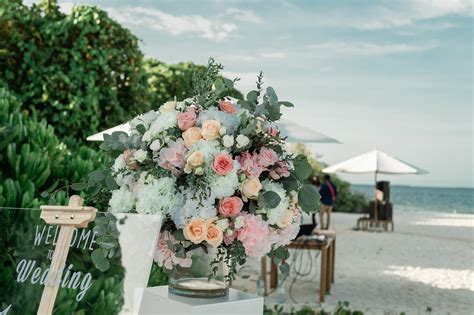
x: 224, y: 186
x: 139, y: 155
x: 276, y: 213
x: 157, y: 197
x: 230, y: 121
x: 228, y: 141
x: 144, y: 119
x: 119, y: 164
x: 164, y: 121
x: 122, y: 200
x: 190, y: 206
x: 242, y: 141
x: 209, y: 149
x: 124, y: 179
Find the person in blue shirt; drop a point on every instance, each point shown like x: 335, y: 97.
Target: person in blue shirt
x: 328, y: 192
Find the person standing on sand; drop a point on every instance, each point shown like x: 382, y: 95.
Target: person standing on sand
x: 328, y: 194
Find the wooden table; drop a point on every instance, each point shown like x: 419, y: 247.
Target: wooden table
x: 328, y: 260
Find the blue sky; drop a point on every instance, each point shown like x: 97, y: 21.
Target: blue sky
x: 396, y: 75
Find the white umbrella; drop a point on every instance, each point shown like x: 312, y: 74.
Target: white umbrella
x: 376, y: 162
x: 293, y: 131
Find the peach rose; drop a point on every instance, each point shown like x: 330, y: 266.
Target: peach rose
x: 194, y: 160
x: 285, y: 219
x: 223, y: 164
x: 196, y: 230
x: 186, y: 120
x: 127, y: 156
x: 250, y: 188
x: 214, y: 235
x: 210, y: 129
x: 227, y: 106
x: 230, y: 207
x: 192, y: 136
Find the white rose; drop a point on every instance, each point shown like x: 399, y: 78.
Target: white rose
x: 122, y: 200
x: 155, y: 145
x: 139, y: 155
x: 242, y: 141
x: 239, y: 222
x: 228, y: 141
x: 223, y: 224
x: 119, y: 163
x: 168, y: 107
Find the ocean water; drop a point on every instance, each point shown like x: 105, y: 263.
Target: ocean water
x: 437, y: 199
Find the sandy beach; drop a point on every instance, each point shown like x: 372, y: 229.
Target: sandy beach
x: 425, y: 264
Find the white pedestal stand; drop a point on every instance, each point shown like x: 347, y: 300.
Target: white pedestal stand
x: 156, y: 300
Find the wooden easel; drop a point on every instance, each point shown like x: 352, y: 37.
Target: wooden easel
x: 68, y: 217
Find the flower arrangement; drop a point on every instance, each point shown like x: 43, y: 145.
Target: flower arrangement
x: 219, y: 172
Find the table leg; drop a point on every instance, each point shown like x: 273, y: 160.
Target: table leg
x: 322, y: 285
x: 333, y: 267
x: 273, y: 275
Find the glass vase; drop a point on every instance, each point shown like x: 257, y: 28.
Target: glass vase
x: 200, y: 280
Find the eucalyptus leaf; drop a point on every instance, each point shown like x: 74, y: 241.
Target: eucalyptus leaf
x: 141, y: 129
x: 302, y: 167
x: 110, y: 182
x: 99, y: 259
x: 308, y: 198
x: 78, y: 186
x: 268, y: 199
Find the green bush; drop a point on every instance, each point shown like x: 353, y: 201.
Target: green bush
x: 82, y: 72
x: 34, y: 160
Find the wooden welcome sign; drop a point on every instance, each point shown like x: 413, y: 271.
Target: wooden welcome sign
x: 68, y: 217
x: 74, y: 259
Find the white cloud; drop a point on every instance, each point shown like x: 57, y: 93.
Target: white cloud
x: 274, y: 55
x: 174, y: 24
x: 368, y: 49
x: 243, y: 15
x: 394, y: 14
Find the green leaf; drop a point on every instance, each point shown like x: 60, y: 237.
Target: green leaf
x: 44, y: 194
x: 286, y: 104
x: 110, y: 182
x: 78, y: 186
x: 302, y: 167
x: 308, y: 198
x: 106, y: 241
x: 141, y: 129
x: 178, y: 235
x: 271, y: 96
x: 97, y: 176
x: 99, y: 259
x: 285, y: 269
x: 290, y: 183
x: 252, y: 96
x: 268, y: 200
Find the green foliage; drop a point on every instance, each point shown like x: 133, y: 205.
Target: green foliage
x: 81, y: 72
x: 34, y: 161
x: 157, y: 276
x: 347, y: 201
x: 169, y: 81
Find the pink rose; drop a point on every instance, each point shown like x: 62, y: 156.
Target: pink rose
x: 249, y: 165
x: 267, y: 157
x: 165, y: 257
x: 255, y: 236
x: 186, y: 120
x: 273, y: 131
x: 281, y: 170
x: 223, y: 164
x: 229, y: 239
x: 127, y: 156
x: 172, y: 157
x: 230, y: 207
x: 227, y: 106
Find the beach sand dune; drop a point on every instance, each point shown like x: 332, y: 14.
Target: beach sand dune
x: 425, y: 264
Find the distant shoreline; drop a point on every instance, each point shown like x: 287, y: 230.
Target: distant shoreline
x: 431, y: 187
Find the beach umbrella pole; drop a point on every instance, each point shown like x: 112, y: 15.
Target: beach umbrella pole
x: 375, y: 199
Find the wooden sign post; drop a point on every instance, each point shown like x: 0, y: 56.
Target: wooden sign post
x: 69, y: 217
